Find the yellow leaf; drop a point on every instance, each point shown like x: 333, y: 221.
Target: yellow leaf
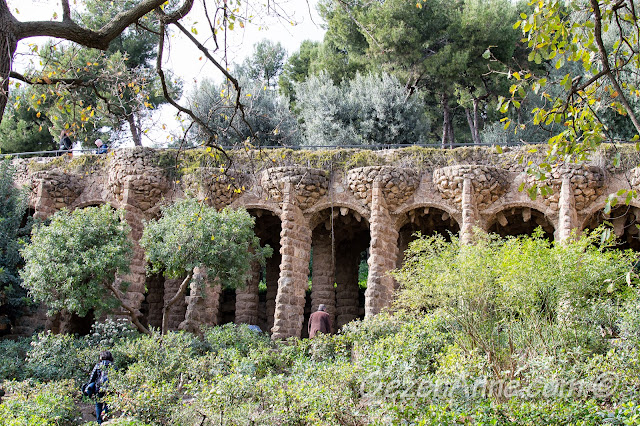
x: 213, y: 238
x: 419, y: 5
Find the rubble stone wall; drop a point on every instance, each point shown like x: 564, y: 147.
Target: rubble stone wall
x: 470, y: 192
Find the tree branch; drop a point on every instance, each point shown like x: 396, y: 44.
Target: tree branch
x: 66, y: 11
x: 604, y: 59
x: 173, y: 300
x: 133, y: 313
x: 69, y: 30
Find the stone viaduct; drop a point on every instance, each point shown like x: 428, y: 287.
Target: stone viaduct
x: 344, y: 206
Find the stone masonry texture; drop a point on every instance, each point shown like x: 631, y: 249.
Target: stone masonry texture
x: 323, y: 206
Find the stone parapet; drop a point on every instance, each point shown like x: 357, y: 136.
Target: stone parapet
x: 489, y: 183
x: 398, y: 184
x: 309, y: 184
x: 587, y: 184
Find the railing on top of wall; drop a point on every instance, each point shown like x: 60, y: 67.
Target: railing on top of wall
x: 438, y: 145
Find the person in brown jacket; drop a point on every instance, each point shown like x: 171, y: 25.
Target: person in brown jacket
x: 319, y: 322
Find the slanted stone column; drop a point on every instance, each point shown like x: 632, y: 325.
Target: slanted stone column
x: 567, y: 215
x: 203, y: 302
x: 322, y: 279
x: 469, y: 212
x: 295, y: 248
x: 383, y: 254
x: 273, y: 273
x: 347, y: 294
x: 247, y: 299
x: 137, y: 273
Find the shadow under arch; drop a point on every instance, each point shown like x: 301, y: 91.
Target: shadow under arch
x: 340, y: 243
x: 624, y: 221
x: 427, y: 220
x: 268, y: 227
x: 518, y: 220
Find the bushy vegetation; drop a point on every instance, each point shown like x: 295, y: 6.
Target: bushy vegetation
x: 505, y: 331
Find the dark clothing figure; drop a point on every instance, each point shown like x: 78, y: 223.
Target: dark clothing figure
x: 97, y: 384
x: 319, y: 322
x: 65, y: 141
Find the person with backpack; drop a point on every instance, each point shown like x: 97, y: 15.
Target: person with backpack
x: 97, y: 383
x: 65, y: 142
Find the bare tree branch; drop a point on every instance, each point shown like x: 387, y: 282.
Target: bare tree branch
x: 69, y: 30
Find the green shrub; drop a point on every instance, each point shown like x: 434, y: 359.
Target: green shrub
x: 12, y: 359
x: 29, y: 403
x: 238, y: 336
x: 519, y: 295
x: 59, y: 356
x: 107, y: 333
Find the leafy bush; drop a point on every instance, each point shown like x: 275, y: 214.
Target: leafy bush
x: 59, y: 356
x: 516, y: 296
x: 106, y: 334
x: 30, y: 403
x: 240, y: 337
x: 12, y: 356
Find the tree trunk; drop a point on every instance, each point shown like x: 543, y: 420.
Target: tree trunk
x: 135, y: 129
x: 174, y: 299
x: 476, y: 122
x: 472, y: 119
x: 450, y: 132
x: 446, y: 118
x: 8, y: 45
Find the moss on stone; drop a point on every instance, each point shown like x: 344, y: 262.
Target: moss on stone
x: 186, y: 162
x: 78, y: 164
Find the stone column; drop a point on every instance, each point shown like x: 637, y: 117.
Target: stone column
x: 383, y: 254
x: 247, y: 298
x: 177, y: 313
x: 322, y: 279
x: 347, y: 292
x: 44, y: 204
x: 469, y: 212
x: 567, y: 214
x: 203, y: 302
x: 295, y: 248
x: 273, y: 273
x: 137, y: 273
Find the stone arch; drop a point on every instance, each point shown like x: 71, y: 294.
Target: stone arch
x: 519, y: 219
x: 315, y: 213
x: 427, y: 219
x: 81, y: 203
x: 340, y: 241
x: 623, y: 219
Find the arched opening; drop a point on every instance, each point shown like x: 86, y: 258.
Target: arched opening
x: 151, y: 307
x: 624, y: 221
x: 256, y: 303
x: 340, y: 243
x: 520, y: 221
x: 427, y: 221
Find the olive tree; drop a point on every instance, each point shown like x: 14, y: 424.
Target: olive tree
x: 72, y: 263
x: 190, y: 234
